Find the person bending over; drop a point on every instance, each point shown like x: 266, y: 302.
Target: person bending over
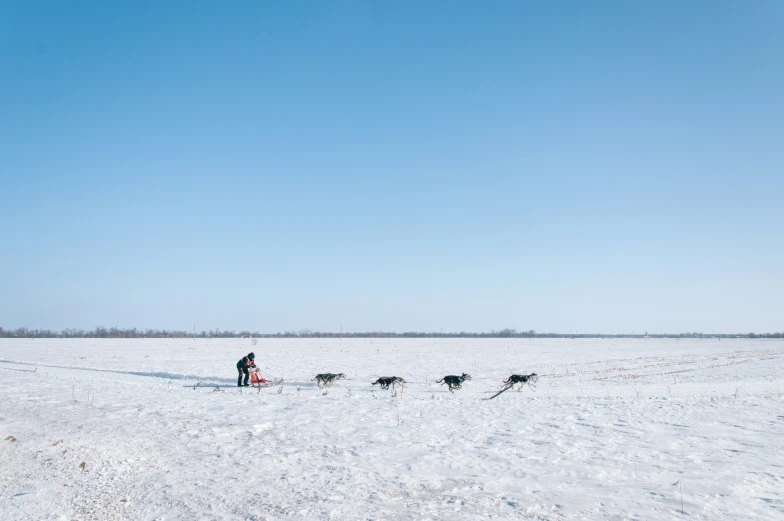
x: 242, y: 368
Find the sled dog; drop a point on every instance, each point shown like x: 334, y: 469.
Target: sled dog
x: 327, y: 379
x: 386, y: 381
x: 453, y: 381
x: 522, y: 379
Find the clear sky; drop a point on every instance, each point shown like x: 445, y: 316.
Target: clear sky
x: 557, y: 166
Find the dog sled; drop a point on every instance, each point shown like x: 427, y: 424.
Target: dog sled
x: 259, y: 382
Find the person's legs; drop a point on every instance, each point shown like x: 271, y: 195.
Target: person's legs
x: 247, y: 375
x: 239, y: 376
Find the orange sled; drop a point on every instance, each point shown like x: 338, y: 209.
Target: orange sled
x: 259, y: 381
x: 256, y: 379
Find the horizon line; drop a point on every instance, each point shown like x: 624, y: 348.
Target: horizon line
x: 116, y: 332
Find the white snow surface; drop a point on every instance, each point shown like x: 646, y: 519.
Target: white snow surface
x: 612, y: 426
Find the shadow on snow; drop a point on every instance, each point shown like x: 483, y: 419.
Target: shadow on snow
x: 151, y: 374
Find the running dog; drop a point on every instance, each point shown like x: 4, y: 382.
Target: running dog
x: 454, y: 382
x: 522, y: 379
x: 327, y: 379
x: 386, y: 381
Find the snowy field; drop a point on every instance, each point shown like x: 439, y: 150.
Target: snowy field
x: 612, y: 425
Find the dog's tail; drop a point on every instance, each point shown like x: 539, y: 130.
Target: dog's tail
x: 508, y: 380
x: 439, y: 381
x: 377, y: 381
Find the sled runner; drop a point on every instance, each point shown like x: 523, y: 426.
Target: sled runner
x: 269, y: 383
x: 258, y: 381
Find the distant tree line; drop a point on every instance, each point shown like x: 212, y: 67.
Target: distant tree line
x: 116, y: 332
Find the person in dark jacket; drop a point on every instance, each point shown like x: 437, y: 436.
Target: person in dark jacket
x: 242, y: 368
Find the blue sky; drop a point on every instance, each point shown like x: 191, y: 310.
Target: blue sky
x: 557, y: 166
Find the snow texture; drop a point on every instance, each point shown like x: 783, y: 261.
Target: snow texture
x: 165, y: 434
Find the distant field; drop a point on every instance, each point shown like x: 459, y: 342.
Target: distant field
x: 611, y: 426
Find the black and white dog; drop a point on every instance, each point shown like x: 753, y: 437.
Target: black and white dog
x: 454, y: 382
x: 522, y: 379
x: 386, y: 381
x: 327, y: 379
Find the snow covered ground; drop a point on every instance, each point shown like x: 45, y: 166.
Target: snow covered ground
x: 612, y: 425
